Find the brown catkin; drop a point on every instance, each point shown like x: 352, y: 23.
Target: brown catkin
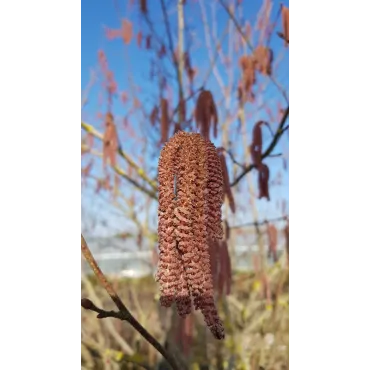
x: 164, y: 120
x: 206, y: 113
x: 154, y: 116
x: 190, y: 193
x: 247, y: 64
x: 110, y: 141
x: 215, y: 189
x: 143, y: 6
x: 263, y: 181
x: 286, y: 235
x: 127, y: 31
x: 256, y: 146
x: 168, y: 273
x: 226, y: 181
x: 225, y: 269
x: 272, y: 236
x: 285, y: 20
x: 263, y: 59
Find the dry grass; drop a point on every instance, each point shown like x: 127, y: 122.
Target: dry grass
x: 256, y: 317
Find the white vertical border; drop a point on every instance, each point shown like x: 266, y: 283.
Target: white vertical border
x: 329, y: 185
x: 40, y: 99
x: 292, y: 213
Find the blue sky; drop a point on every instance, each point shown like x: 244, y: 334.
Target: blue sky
x: 98, y: 14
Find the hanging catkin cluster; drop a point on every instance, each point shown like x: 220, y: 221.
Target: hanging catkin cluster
x: 285, y: 19
x: 189, y: 220
x: 206, y: 114
x: 263, y: 57
x: 263, y: 169
x: 221, y: 264
x: 247, y: 64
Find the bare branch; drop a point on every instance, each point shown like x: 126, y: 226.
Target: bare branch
x: 140, y: 171
x: 269, y: 149
x: 277, y: 219
x: 124, y: 314
x: 248, y: 42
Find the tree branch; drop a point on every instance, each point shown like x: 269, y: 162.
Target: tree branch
x: 277, y: 219
x: 140, y: 171
x: 123, y: 314
x: 281, y: 129
x: 248, y: 42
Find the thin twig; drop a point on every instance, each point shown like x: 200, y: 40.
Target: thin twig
x: 125, y: 175
x: 91, y: 130
x: 277, y: 219
x: 271, y: 31
x: 123, y: 314
x: 248, y: 42
x: 281, y: 129
x: 108, y: 324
